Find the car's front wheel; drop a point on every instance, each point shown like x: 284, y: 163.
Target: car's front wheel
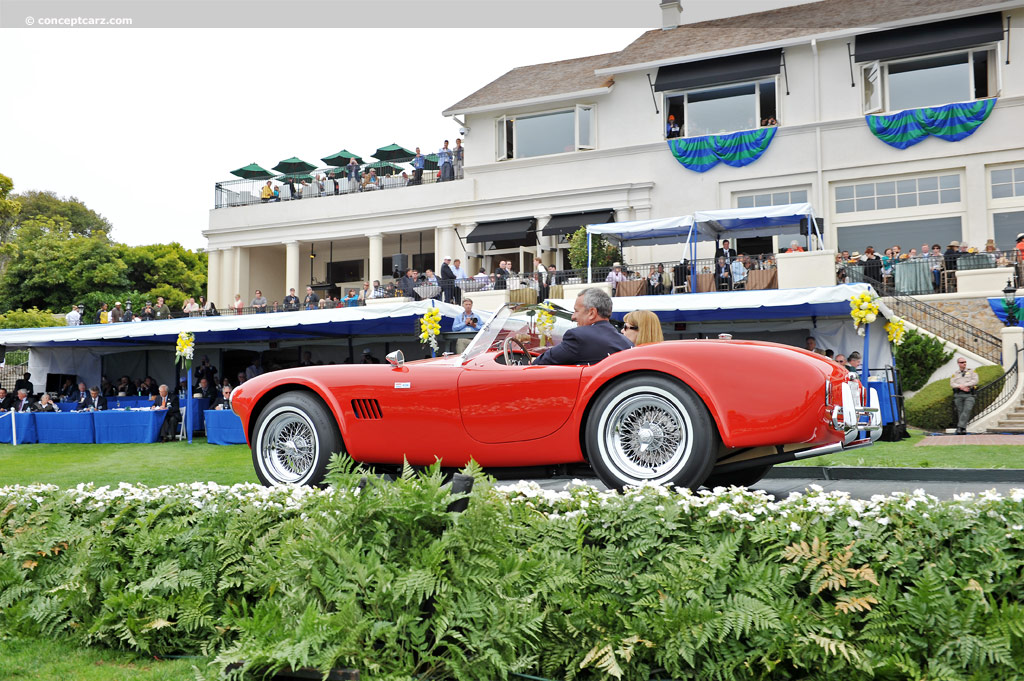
x: 294, y: 438
x: 650, y: 429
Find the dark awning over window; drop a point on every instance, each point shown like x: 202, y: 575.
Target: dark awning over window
x: 719, y: 71
x: 567, y: 223
x: 930, y: 38
x: 504, y: 230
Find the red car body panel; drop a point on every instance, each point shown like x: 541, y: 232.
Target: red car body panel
x: 507, y: 416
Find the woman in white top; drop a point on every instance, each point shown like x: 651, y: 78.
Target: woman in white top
x: 238, y: 304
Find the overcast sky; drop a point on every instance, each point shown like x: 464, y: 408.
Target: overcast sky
x: 140, y: 124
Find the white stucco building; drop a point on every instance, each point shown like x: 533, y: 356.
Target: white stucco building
x: 588, y: 135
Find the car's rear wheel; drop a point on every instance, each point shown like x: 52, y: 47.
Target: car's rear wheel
x: 741, y: 478
x: 294, y: 438
x: 650, y: 429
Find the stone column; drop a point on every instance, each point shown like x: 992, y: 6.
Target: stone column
x: 376, y: 257
x: 625, y: 214
x: 228, y: 278
x: 543, y: 242
x: 444, y: 245
x: 213, y: 269
x: 291, y: 267
x: 472, y: 262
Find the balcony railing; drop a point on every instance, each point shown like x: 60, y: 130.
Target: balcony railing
x: 240, y: 192
x: 931, y: 274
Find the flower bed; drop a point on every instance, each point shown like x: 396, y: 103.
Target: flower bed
x: 578, y: 584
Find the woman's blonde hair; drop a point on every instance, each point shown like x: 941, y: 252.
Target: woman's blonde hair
x: 648, y: 326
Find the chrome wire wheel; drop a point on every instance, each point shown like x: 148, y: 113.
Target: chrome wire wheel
x: 646, y: 435
x: 288, y: 445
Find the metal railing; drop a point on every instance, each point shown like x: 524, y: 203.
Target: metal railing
x: 940, y: 323
x: 241, y: 192
x: 920, y: 276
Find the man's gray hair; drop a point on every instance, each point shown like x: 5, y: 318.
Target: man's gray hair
x: 599, y: 300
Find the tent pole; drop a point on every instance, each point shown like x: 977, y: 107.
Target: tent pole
x: 590, y: 257
x: 865, y: 372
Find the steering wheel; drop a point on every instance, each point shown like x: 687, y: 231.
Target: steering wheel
x: 506, y: 349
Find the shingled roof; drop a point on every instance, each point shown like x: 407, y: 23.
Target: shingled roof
x: 786, y: 23
x: 736, y: 34
x: 538, y: 80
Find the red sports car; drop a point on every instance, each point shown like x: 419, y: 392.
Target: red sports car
x: 683, y: 413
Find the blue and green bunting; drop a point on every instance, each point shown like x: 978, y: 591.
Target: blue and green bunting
x: 735, y: 149
x: 951, y: 122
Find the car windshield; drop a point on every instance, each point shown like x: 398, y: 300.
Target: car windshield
x: 529, y: 325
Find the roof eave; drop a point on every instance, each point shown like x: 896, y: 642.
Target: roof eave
x: 806, y: 39
x: 501, y: 106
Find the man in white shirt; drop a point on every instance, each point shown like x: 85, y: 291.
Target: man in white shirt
x: 739, y: 273
x: 73, y: 318
x: 457, y: 269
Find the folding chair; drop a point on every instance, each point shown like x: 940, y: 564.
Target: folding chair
x: 182, y: 435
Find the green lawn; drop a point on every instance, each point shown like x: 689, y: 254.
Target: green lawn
x: 164, y: 464
x: 904, y: 454
x: 150, y: 464
x: 24, y: 660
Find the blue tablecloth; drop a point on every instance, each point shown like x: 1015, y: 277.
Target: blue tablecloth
x: 54, y: 428
x: 67, y: 406
x: 26, y: 426
x: 141, y: 425
x: 198, y: 405
x: 131, y: 402
x: 886, y: 402
x: 223, y: 427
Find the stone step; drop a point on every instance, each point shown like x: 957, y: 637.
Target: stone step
x: 1015, y: 431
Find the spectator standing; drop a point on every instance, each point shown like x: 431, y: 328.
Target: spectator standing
x: 254, y: 369
x: 444, y: 163
x: 872, y: 264
x: 352, y: 173
x: 102, y: 317
x: 964, y: 384
x: 458, y: 158
x: 430, y: 279
x: 671, y: 127
x: 259, y: 302
x: 457, y: 268
x: 452, y: 293
x: 117, y: 314
x: 483, y: 281
x: 616, y: 276
x: 148, y: 313
x: 24, y: 382
x: 501, y: 276
x: 351, y: 299
x: 161, y: 311
x: 312, y: 300
x: 467, y: 320
x: 794, y: 247
x: 72, y: 318
x: 725, y: 252
x: 417, y: 167
x: 294, y: 192
x: 936, y: 265
x: 190, y: 307
x: 207, y: 371
x: 291, y: 301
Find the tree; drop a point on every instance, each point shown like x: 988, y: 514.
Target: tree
x: 53, y: 266
x: 602, y: 253
x: 81, y: 219
x: 10, y: 208
x: 158, y: 266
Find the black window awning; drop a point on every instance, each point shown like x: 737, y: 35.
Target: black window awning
x: 940, y: 36
x: 731, y: 69
x: 568, y: 223
x: 520, y: 229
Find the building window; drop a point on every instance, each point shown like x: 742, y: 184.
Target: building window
x: 930, y: 81
x: 898, y: 193
x: 553, y: 132
x: 772, y: 198
x: 1006, y: 227
x: 1008, y: 182
x: 743, y: 106
x: 908, y: 234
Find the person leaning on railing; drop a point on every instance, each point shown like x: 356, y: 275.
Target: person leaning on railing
x: 964, y: 384
x: 268, y: 193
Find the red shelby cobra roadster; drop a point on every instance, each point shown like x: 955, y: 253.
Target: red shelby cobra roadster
x: 683, y: 413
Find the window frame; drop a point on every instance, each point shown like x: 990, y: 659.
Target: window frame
x: 771, y: 191
x: 506, y: 124
x: 881, y: 103
x: 684, y: 130
x: 898, y: 213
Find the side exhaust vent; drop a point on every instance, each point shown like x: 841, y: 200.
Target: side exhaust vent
x: 367, y: 409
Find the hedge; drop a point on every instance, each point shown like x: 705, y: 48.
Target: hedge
x: 931, y: 407
x: 581, y: 584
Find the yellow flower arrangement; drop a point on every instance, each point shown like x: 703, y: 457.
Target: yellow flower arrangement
x: 430, y: 326
x: 184, y: 349
x: 864, y: 310
x: 545, y: 325
x: 896, y: 330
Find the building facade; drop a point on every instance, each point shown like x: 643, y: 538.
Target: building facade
x: 781, y: 98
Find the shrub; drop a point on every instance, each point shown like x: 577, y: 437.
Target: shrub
x: 581, y: 584
x: 932, y: 407
x: 918, y: 358
x: 27, y: 319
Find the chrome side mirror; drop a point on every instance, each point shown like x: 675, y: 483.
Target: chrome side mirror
x: 396, y: 358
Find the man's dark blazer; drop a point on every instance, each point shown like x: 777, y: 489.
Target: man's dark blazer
x: 209, y: 393
x: 27, y: 405
x: 586, y: 345
x: 173, y: 410
x: 5, y: 404
x: 729, y: 254
x: 500, y: 275
x: 407, y: 285
x: 87, y: 402
x: 219, y: 400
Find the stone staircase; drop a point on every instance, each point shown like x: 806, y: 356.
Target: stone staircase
x: 1011, y: 421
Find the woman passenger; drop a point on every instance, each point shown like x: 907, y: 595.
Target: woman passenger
x: 642, y: 327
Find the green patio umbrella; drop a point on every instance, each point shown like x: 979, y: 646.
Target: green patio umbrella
x: 395, y: 153
x: 341, y: 158
x: 430, y: 162
x: 294, y: 165
x: 252, y: 172
x: 384, y: 168
x: 298, y: 177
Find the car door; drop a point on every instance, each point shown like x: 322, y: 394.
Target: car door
x: 502, y: 403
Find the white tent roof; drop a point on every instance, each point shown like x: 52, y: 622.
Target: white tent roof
x: 748, y: 222
x: 651, y: 232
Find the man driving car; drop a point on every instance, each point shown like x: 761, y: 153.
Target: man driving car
x: 594, y: 337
